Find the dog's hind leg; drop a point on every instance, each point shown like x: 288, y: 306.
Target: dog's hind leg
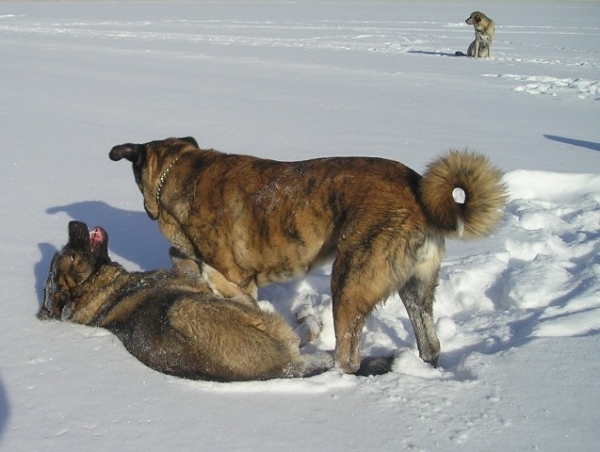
x: 348, y: 323
x: 418, y: 295
x: 418, y: 300
x: 357, y: 285
x: 365, y: 274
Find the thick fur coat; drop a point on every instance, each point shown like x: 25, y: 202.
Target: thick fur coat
x: 259, y: 221
x: 174, y: 321
x: 484, y: 28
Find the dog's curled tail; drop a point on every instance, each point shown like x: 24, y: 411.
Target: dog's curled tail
x: 463, y: 194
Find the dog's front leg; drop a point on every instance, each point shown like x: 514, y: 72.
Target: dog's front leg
x: 232, y: 272
x: 222, y: 287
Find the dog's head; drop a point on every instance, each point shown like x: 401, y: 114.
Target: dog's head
x: 150, y: 162
x: 478, y: 20
x: 83, y: 255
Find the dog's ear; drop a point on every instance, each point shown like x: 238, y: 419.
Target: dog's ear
x: 190, y: 140
x: 129, y: 151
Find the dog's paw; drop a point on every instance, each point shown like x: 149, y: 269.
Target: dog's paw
x: 67, y: 312
x: 310, y: 325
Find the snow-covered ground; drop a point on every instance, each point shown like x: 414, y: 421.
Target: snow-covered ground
x: 518, y: 314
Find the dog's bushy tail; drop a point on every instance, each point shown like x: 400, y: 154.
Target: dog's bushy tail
x: 463, y: 194
x: 311, y: 364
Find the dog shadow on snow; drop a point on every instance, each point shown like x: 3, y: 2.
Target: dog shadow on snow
x: 429, y: 53
x: 132, y: 237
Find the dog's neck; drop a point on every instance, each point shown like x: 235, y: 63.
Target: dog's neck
x: 163, y: 178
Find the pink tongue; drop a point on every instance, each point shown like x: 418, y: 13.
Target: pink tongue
x: 96, y: 238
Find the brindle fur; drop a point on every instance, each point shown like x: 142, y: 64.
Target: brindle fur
x: 172, y: 320
x: 260, y: 221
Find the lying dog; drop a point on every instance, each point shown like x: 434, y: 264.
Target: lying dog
x: 481, y: 47
x: 260, y: 221
x: 172, y: 320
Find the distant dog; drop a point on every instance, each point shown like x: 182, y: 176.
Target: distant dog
x: 481, y: 47
x: 174, y: 321
x: 260, y: 221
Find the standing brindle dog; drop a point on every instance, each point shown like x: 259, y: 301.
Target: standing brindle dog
x: 260, y: 221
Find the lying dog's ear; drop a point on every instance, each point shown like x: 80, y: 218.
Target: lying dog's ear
x: 190, y: 140
x: 129, y: 151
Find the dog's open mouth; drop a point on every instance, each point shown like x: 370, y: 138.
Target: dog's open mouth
x: 98, y: 241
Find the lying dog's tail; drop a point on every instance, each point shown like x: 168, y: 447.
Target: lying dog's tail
x: 310, y: 365
x: 463, y: 194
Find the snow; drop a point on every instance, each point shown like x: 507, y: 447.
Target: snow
x: 518, y: 314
